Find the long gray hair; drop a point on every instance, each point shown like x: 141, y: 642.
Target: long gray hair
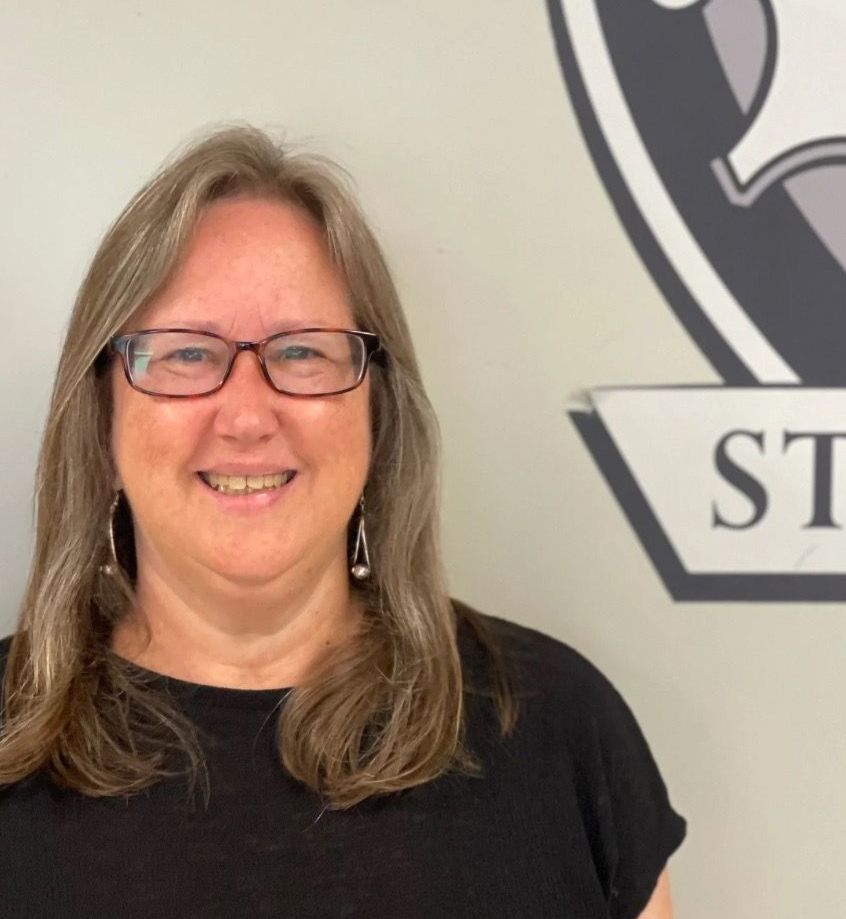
x: 383, y: 713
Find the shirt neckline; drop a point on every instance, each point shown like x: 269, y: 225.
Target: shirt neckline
x: 203, y: 693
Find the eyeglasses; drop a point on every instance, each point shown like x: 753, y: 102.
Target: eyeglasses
x: 302, y: 362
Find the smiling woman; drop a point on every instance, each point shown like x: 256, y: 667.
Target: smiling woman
x: 237, y: 582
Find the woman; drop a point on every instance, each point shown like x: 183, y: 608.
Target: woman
x: 237, y: 580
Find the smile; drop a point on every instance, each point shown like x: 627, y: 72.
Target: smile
x: 246, y: 484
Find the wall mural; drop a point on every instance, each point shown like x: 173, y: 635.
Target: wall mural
x: 719, y: 130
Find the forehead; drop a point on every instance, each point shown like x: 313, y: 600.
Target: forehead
x: 255, y: 266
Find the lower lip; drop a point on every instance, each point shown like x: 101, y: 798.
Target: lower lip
x: 249, y: 503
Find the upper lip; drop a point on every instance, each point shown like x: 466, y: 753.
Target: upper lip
x: 247, y: 469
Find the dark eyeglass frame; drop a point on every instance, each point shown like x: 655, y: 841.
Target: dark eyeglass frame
x: 372, y: 349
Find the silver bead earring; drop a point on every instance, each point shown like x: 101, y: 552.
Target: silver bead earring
x: 361, y: 557
x: 110, y: 568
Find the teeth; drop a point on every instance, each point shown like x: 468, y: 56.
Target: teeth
x: 245, y: 485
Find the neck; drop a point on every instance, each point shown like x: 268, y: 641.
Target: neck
x: 206, y: 629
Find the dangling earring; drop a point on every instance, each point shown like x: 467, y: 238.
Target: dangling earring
x: 111, y: 567
x: 360, y: 566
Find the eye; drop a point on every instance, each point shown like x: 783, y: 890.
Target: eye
x: 188, y: 355
x: 295, y: 353
x: 298, y: 352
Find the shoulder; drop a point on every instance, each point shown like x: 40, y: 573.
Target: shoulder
x: 576, y: 727
x: 542, y: 668
x: 556, y: 686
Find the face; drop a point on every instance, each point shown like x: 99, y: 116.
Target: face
x: 253, y: 268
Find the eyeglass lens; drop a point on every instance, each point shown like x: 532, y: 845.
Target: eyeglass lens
x: 186, y: 363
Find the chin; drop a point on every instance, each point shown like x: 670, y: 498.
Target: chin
x: 255, y: 575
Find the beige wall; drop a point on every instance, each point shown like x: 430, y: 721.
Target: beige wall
x: 522, y: 291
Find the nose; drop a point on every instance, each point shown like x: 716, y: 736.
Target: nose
x: 248, y: 407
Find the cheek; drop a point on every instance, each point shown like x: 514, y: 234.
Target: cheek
x: 147, y: 438
x: 340, y: 440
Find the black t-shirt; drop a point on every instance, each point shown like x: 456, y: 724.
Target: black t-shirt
x: 571, y: 820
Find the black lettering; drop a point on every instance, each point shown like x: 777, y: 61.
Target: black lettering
x: 741, y: 479
x: 823, y: 473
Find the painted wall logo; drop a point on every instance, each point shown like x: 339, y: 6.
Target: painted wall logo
x: 719, y: 129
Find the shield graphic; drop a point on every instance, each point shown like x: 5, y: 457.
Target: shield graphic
x: 719, y: 131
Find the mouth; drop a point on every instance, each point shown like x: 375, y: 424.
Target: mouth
x: 246, y: 484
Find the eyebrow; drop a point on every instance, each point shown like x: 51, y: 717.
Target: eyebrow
x: 302, y: 324
x: 205, y: 325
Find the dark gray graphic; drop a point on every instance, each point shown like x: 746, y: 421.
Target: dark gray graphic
x: 730, y: 181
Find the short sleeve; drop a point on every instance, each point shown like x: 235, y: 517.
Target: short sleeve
x: 637, y: 825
